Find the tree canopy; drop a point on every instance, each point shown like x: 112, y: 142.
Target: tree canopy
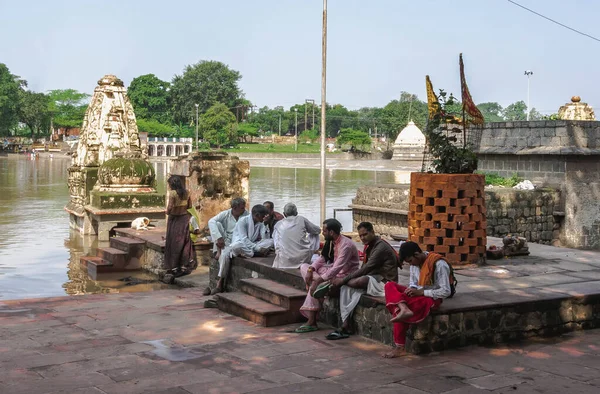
x: 150, y: 98
x: 10, y: 87
x: 67, y: 107
x: 205, y: 83
x: 218, y: 125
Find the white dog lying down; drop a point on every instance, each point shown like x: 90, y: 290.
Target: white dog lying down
x: 140, y: 223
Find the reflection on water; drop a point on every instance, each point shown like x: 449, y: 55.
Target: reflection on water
x: 39, y: 255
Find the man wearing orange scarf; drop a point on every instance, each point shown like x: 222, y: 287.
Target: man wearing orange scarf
x: 430, y: 279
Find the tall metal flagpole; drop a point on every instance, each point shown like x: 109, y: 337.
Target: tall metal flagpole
x: 323, y: 107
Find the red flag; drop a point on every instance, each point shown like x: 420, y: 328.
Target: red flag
x: 473, y: 115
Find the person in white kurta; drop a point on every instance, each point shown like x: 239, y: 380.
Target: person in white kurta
x: 296, y: 239
x: 222, y: 225
x: 249, y: 239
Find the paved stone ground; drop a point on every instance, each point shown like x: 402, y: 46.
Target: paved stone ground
x: 166, y: 342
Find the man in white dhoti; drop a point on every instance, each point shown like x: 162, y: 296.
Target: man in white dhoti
x: 221, y: 230
x: 296, y: 239
x: 380, y: 265
x: 248, y: 240
x: 221, y: 226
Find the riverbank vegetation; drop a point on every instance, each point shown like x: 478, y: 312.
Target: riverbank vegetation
x: 208, y: 94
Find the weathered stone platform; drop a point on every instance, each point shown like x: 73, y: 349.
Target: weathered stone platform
x: 555, y: 290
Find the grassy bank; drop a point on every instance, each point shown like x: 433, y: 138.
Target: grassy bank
x: 275, y: 148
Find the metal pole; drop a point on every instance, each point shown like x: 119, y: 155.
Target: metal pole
x: 527, y: 97
x: 280, y: 125
x: 196, y: 126
x: 528, y: 73
x: 305, y: 113
x: 296, y: 133
x: 323, y: 107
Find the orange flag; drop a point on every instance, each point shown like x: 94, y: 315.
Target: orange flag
x: 474, y: 116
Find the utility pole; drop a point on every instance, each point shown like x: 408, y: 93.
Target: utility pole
x: 280, y: 125
x: 323, y: 107
x: 312, y: 126
x: 296, y: 139
x: 197, y: 105
x: 528, y: 73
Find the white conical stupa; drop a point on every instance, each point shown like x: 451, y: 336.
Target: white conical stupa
x: 409, y: 144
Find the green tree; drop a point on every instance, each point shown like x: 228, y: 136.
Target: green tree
x: 218, y: 125
x: 247, y: 131
x: 10, y: 88
x: 205, y: 83
x: 397, y: 113
x: 150, y: 98
x: 515, y: 111
x: 34, y: 111
x: 67, y: 107
x: 535, y: 115
x: 338, y: 117
x: 154, y: 128
x: 354, y: 138
x: 492, y: 112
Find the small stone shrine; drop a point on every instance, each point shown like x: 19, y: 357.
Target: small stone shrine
x: 409, y: 144
x: 213, y: 179
x: 576, y: 110
x: 110, y: 180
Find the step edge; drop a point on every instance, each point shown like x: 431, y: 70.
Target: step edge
x: 282, y: 310
x: 249, y: 282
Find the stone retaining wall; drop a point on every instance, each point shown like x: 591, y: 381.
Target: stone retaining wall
x: 386, y: 206
x: 536, y: 215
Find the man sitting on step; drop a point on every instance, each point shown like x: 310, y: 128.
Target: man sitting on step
x: 339, y: 257
x: 296, y: 239
x: 380, y: 266
x: 249, y: 239
x: 431, y: 280
x: 221, y: 231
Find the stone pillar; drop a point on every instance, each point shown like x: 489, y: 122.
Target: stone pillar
x: 447, y: 215
x: 214, y: 179
x: 582, y: 203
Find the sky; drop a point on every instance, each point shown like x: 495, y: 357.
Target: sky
x: 376, y: 48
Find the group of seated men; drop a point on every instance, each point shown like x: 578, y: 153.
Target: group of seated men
x: 338, y: 268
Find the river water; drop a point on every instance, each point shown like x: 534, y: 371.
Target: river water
x: 39, y: 255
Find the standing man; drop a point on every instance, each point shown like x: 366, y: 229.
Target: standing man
x: 249, y: 239
x: 431, y: 280
x: 221, y: 231
x: 380, y: 266
x: 296, y: 239
x: 318, y: 275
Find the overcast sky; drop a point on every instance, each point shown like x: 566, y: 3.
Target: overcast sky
x: 376, y: 48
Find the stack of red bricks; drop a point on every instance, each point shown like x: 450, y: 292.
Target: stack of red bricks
x: 447, y: 215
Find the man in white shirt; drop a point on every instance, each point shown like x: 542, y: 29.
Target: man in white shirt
x: 296, y: 239
x: 431, y: 280
x: 221, y: 231
x: 249, y: 239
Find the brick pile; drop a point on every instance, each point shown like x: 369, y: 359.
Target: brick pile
x: 447, y: 215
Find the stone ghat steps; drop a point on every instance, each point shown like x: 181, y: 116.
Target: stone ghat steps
x: 123, y: 254
x: 263, y: 302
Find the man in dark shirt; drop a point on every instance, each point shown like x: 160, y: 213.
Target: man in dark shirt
x: 380, y: 266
